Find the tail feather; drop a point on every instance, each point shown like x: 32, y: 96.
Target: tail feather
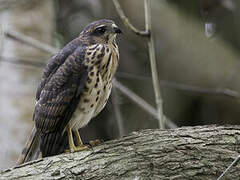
x: 32, y: 148
x: 48, y: 144
x: 53, y: 143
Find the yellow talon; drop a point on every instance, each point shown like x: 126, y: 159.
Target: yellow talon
x: 72, y: 147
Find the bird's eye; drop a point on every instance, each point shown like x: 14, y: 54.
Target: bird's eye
x: 100, y: 30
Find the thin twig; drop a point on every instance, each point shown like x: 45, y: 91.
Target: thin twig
x: 186, y: 87
x: 118, y: 114
x: 23, y: 62
x: 11, y: 4
x: 30, y: 41
x: 2, y: 37
x: 229, y: 167
x: 126, y: 21
x: 141, y: 103
x: 151, y: 48
x: 134, y: 76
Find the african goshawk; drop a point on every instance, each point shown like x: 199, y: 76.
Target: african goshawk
x: 75, y: 87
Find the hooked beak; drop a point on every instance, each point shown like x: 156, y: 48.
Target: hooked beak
x: 116, y: 29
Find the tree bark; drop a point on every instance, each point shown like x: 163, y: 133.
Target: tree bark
x: 201, y: 152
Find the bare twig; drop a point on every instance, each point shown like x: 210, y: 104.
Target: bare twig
x: 141, y: 103
x: 186, y: 87
x: 10, y: 4
x: 115, y: 102
x: 229, y: 167
x: 134, y: 76
x: 2, y: 37
x: 156, y: 87
x: 23, y: 62
x: 30, y: 41
x: 126, y: 21
x: 151, y: 48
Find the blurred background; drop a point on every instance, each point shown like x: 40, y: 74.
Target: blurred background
x: 197, y: 50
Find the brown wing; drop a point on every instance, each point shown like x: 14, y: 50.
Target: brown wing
x: 55, y: 62
x: 58, y: 98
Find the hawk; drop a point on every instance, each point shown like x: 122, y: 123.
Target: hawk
x: 75, y: 86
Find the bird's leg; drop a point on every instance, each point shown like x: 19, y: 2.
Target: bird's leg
x: 78, y: 138
x: 72, y: 146
x: 70, y: 139
x: 80, y: 145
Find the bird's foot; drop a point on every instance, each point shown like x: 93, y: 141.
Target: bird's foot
x: 95, y: 142
x: 78, y: 148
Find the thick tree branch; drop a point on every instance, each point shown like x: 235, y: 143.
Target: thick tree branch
x: 201, y: 152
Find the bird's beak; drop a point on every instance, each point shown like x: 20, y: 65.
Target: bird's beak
x: 116, y: 29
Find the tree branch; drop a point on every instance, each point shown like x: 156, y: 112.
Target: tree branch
x: 236, y: 160
x: 126, y: 21
x: 201, y: 152
x: 141, y: 103
x: 117, y: 111
x: 148, y: 27
x: 30, y: 41
x: 156, y: 87
x: 6, y: 4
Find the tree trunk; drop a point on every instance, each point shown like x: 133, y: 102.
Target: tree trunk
x: 201, y: 152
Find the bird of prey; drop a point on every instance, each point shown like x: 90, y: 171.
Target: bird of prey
x: 75, y: 87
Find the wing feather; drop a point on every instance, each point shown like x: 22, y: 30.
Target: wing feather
x: 58, y: 96
x: 55, y: 62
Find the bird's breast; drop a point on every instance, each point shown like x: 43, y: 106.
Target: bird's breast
x: 102, y: 62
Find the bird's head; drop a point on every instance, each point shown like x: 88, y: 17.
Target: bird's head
x: 101, y: 31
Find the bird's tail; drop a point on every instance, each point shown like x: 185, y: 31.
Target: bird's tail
x: 32, y: 148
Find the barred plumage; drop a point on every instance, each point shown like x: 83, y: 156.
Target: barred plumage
x: 75, y: 87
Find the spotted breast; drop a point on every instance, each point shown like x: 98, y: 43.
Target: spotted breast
x: 102, y: 60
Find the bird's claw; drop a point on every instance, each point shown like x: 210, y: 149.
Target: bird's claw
x: 77, y: 148
x: 95, y: 142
